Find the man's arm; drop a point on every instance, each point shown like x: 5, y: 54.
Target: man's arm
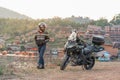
x: 47, y: 37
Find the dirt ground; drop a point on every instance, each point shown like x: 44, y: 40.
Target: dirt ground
x: 25, y: 69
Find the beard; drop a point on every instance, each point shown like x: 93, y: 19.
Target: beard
x: 42, y: 30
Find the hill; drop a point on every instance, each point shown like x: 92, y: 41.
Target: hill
x: 6, y: 13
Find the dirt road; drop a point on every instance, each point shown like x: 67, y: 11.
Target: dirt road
x: 27, y: 71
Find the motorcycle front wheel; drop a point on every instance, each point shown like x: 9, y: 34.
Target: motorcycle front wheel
x: 64, y: 62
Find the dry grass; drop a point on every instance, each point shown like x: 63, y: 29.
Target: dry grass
x: 25, y: 69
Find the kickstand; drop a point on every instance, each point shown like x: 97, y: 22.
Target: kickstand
x: 83, y: 67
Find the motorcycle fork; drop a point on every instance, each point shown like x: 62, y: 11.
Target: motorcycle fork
x: 83, y: 57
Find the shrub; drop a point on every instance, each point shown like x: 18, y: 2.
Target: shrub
x: 1, y: 70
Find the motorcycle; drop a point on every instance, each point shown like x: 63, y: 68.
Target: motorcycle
x: 81, y: 53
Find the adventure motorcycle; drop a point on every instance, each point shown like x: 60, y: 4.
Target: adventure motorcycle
x: 81, y: 53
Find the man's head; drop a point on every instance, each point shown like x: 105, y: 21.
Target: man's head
x: 42, y: 26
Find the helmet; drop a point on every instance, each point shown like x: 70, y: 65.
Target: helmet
x: 42, y: 24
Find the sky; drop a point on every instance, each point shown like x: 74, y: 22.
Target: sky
x: 37, y: 9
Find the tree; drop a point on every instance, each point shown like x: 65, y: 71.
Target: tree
x: 22, y: 48
x: 102, y: 22
x: 116, y: 20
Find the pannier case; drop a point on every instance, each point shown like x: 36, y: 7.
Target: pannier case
x: 98, y: 40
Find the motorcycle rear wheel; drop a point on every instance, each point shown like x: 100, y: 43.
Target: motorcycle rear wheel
x: 89, y: 65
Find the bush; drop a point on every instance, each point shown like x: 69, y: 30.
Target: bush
x: 1, y: 70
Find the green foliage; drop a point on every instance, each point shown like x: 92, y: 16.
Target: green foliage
x: 22, y: 48
x: 20, y: 27
x: 16, y: 27
x: 116, y: 20
x: 1, y: 70
x: 102, y: 22
x: 71, y: 21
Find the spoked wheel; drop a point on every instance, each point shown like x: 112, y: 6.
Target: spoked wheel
x: 91, y: 62
x: 64, y: 62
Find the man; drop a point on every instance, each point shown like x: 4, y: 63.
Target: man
x: 41, y: 38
